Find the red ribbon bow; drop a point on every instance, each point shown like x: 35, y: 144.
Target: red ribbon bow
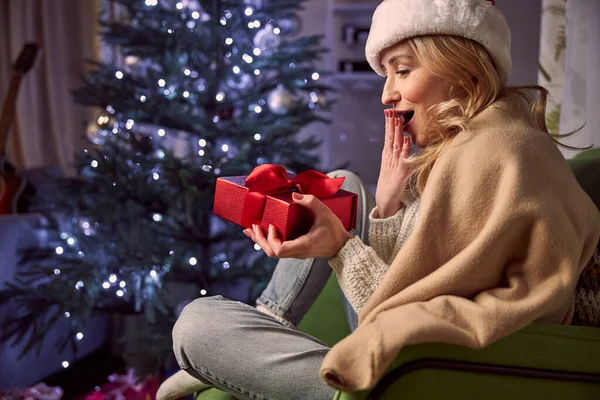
x: 271, y: 179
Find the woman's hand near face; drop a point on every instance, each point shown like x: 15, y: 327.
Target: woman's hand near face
x: 393, y: 175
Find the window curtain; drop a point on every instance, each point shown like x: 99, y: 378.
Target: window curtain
x: 569, y: 69
x: 48, y: 127
x: 581, y: 86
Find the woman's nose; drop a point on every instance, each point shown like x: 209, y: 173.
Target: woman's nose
x: 390, y: 94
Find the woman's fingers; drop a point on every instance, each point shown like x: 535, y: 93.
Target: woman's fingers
x: 406, y: 147
x: 389, y: 129
x: 274, y: 247
x: 260, y: 239
x: 398, y: 136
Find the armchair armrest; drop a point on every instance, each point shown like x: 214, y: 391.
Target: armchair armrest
x: 540, y: 361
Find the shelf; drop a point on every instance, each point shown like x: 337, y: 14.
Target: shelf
x: 352, y: 8
x: 359, y: 81
x: 363, y: 76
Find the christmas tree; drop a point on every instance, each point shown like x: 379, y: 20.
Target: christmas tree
x: 201, y: 89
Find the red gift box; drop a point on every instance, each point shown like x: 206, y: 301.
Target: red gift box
x: 265, y: 197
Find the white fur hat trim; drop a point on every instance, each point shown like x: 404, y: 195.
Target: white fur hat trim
x: 478, y: 20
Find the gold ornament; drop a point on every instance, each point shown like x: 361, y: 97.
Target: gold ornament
x: 280, y: 100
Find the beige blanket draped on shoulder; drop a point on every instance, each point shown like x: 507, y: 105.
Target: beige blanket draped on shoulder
x: 503, y: 234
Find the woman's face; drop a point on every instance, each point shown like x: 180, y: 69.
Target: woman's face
x: 411, y: 89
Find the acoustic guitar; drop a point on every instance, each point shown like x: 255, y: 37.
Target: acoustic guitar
x: 12, y: 185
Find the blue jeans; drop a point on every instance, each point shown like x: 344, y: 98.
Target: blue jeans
x: 252, y: 355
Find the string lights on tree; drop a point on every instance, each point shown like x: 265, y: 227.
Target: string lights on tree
x: 200, y: 89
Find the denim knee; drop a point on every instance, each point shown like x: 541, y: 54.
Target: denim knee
x: 352, y: 180
x: 353, y: 183
x: 190, y: 328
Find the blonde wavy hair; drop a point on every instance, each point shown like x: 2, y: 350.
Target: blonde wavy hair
x: 468, y: 67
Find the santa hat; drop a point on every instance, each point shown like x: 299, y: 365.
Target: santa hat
x: 478, y: 20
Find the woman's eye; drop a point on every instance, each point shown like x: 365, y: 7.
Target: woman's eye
x: 403, y: 72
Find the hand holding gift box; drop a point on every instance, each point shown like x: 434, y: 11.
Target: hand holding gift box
x: 264, y: 198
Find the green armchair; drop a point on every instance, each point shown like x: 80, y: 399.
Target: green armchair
x: 537, y: 362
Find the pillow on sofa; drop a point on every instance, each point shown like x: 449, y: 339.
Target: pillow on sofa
x: 587, y: 294
x: 587, y: 173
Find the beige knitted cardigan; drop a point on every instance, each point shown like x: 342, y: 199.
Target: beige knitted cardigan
x: 504, y: 231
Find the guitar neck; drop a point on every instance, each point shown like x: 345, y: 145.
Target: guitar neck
x: 8, y: 111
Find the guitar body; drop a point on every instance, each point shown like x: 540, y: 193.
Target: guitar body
x: 14, y: 190
x: 11, y: 190
x: 12, y: 186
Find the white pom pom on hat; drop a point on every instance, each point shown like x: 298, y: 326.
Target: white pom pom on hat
x: 478, y: 20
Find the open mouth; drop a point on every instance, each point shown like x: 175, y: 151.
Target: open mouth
x: 406, y: 118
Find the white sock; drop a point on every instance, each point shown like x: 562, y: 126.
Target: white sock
x: 179, y: 385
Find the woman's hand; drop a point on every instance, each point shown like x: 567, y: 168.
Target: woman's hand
x: 393, y: 175
x: 326, y: 237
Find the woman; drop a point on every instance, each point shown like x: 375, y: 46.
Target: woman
x: 482, y: 233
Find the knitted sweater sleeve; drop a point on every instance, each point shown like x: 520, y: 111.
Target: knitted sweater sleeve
x: 386, y: 235
x: 359, y: 268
